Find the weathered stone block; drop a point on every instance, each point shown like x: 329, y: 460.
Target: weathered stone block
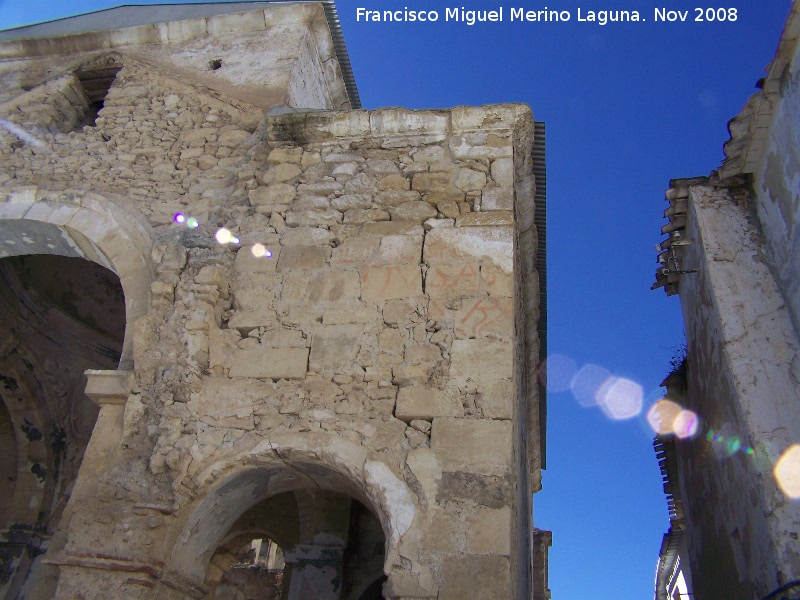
x: 279, y: 172
x: 284, y: 338
x: 503, y: 172
x: 485, y: 317
x: 278, y: 197
x: 419, y: 402
x: 245, y: 321
x: 253, y: 291
x: 334, y: 347
x: 365, y: 215
x: 489, y: 531
x: 399, y: 249
x: 394, y: 181
x: 272, y: 363
x: 247, y: 262
x: 319, y: 217
x: 474, y: 445
x: 306, y: 236
x: 481, y: 360
x: 469, y: 180
x: 333, y: 287
x: 356, y: 250
x: 233, y: 138
x: 490, y: 244
x: 422, y: 354
x: 348, y: 201
x: 452, y: 281
x: 304, y: 257
x: 497, y: 198
x: 393, y: 227
x: 395, y: 197
x: 392, y: 341
x: 397, y: 311
x: 481, y: 145
x: 285, y: 155
x: 482, y: 219
x: 431, y: 182
x: 417, y: 211
x: 386, y: 283
x: 490, y: 490
x: 496, y: 282
x: 475, y: 577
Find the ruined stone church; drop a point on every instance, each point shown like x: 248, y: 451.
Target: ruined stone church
x: 237, y: 312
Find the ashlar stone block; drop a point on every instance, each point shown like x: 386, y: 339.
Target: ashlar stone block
x: 490, y: 244
x: 451, y: 281
x: 270, y: 363
x: 334, y: 347
x: 489, y: 531
x: 475, y: 577
x: 485, y: 317
x: 497, y: 198
x: 391, y: 282
x: 473, y: 445
x: 304, y: 257
x: 418, y: 402
x: 484, y: 361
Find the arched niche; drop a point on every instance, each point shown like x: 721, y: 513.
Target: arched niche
x: 84, y: 225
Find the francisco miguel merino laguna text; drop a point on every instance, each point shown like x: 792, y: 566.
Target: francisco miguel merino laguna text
x: 471, y: 17
x: 597, y: 17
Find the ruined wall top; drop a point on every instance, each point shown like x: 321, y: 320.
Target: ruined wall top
x: 745, y: 148
x: 262, y: 53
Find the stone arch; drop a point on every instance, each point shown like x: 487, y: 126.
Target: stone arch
x: 287, y: 463
x: 86, y: 225
x: 50, y: 419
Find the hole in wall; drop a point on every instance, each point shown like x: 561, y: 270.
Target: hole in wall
x: 215, y: 63
x: 96, y: 83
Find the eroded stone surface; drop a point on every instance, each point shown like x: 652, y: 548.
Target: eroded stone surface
x: 357, y: 339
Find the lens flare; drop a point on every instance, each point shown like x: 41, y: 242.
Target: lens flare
x: 620, y: 398
x: 23, y: 135
x: 192, y: 222
x: 179, y: 218
x: 686, y: 424
x: 729, y: 444
x: 557, y: 372
x: 258, y: 250
x: 787, y: 471
x: 586, y: 383
x: 662, y: 415
x: 223, y: 236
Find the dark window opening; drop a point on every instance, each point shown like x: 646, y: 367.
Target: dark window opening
x: 96, y: 83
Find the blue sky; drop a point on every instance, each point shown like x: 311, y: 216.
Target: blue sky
x: 627, y: 106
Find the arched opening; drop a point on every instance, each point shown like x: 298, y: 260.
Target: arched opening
x: 300, y: 544
x: 59, y: 316
x: 332, y: 543
x: 246, y: 567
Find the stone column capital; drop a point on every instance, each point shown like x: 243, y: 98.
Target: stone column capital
x: 107, y: 387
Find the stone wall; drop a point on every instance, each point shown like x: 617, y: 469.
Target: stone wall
x: 732, y: 254
x: 740, y: 378
x: 379, y: 347
x: 777, y: 185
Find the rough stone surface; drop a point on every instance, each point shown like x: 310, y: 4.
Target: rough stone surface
x: 345, y: 363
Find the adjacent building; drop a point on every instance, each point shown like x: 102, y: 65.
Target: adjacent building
x: 733, y: 255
